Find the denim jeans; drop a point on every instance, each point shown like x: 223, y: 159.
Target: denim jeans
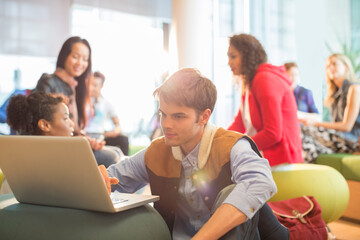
x: 264, y: 225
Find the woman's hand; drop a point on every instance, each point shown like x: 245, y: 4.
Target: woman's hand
x: 308, y: 119
x: 307, y: 122
x: 95, y: 144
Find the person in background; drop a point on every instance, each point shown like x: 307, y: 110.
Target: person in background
x: 304, y: 98
x: 268, y: 111
x: 38, y: 113
x: 100, y: 112
x: 73, y: 71
x: 71, y: 77
x: 3, y: 115
x: 342, y: 133
x: 204, y: 175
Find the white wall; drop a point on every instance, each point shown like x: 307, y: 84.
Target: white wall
x: 192, y: 29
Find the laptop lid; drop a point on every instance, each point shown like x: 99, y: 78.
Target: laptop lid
x: 59, y: 171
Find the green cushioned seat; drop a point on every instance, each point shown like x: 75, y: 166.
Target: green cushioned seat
x: 324, y: 183
x: 351, y: 167
x: 347, y: 164
x: 26, y: 221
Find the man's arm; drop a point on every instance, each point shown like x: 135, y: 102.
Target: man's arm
x: 225, y: 218
x: 131, y: 173
x: 254, y: 186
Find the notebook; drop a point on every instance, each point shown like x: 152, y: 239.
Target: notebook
x: 61, y: 172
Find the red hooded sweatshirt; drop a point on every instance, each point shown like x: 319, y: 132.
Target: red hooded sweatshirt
x: 273, y: 113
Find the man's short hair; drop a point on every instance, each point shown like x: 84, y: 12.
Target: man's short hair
x: 188, y: 87
x: 289, y: 65
x: 100, y: 75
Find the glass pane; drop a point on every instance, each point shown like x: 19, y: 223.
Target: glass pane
x: 128, y: 50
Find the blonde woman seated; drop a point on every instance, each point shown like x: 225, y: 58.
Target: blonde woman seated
x: 343, y: 99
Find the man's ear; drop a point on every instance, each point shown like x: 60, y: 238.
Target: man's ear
x: 44, y: 125
x: 204, y: 116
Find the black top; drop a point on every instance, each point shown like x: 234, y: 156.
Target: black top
x: 51, y: 83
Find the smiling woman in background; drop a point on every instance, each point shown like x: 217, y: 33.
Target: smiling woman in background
x: 268, y: 111
x: 343, y: 99
x: 71, y: 78
x: 73, y: 71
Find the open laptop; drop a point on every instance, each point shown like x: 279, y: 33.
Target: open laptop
x: 62, y: 172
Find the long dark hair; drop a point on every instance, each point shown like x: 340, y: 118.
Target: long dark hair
x: 82, y: 89
x: 252, y: 55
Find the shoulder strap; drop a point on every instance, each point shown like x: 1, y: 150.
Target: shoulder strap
x: 296, y: 213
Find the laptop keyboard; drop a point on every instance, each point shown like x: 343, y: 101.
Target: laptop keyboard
x: 116, y: 200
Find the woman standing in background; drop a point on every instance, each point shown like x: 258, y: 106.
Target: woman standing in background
x: 268, y: 111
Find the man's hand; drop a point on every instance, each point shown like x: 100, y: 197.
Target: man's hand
x: 108, y: 180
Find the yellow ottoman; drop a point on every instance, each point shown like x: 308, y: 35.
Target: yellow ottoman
x: 324, y: 183
x: 1, y: 177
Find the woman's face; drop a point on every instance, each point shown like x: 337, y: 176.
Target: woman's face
x: 61, y: 125
x: 336, y: 70
x: 235, y: 60
x: 78, y: 60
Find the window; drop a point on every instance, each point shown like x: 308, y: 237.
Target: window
x: 31, y: 33
x: 355, y: 33
x: 274, y: 25
x: 128, y: 50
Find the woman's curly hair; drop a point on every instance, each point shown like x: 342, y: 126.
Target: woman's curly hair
x: 252, y: 55
x: 24, y: 112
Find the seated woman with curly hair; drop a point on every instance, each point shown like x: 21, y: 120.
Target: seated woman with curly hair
x: 43, y: 114
x: 47, y: 114
x: 40, y: 114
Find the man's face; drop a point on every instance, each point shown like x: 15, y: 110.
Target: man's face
x: 181, y: 125
x: 294, y: 76
x: 96, y: 85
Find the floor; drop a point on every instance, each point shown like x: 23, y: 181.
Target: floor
x: 345, y: 229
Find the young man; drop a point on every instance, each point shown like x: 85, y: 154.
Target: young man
x: 194, y: 161
x: 102, y: 111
